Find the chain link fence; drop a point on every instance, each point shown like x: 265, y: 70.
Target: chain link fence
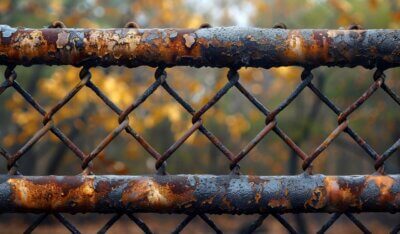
x: 199, y: 195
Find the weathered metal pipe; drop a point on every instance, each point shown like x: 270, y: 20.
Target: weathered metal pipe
x: 200, y: 194
x: 215, y: 47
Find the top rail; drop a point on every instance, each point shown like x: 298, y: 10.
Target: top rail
x: 214, y: 47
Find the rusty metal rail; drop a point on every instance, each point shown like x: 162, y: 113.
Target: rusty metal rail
x: 191, y: 194
x: 215, y: 47
x: 199, y: 195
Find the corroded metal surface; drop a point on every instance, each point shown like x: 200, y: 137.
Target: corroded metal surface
x: 215, y: 47
x: 200, y: 194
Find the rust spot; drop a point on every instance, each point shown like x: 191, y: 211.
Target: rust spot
x: 303, y: 49
x: 31, y: 43
x: 227, y: 203
x: 318, y: 199
x: 255, y: 180
x: 149, y: 193
x: 250, y: 38
x: 62, y: 39
x: 102, y: 43
x: 120, y: 45
x: 340, y: 195
x: 295, y: 44
x: 189, y: 39
x: 384, y: 183
x: 34, y: 39
x: 320, y: 49
x: 209, y: 200
x: 257, y: 197
x: 279, y: 203
x: 92, y: 40
x: 50, y: 195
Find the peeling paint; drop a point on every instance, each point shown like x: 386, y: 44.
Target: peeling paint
x: 190, y: 39
x: 31, y: 40
x: 62, y: 39
x: 7, y: 31
x: 173, y: 34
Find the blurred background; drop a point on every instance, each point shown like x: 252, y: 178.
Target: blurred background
x: 86, y: 120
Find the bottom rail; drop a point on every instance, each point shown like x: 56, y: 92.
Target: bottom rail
x: 200, y: 194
